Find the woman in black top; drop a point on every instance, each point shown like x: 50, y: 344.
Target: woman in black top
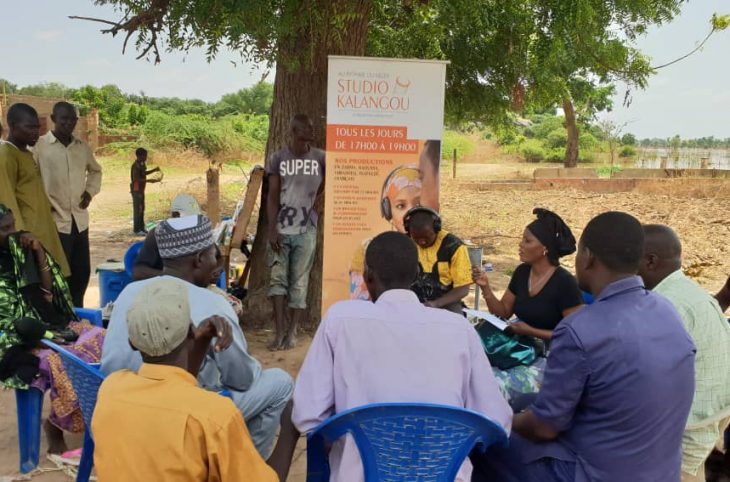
x: 541, y: 292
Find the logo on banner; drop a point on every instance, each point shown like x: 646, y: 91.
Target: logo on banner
x: 380, y: 94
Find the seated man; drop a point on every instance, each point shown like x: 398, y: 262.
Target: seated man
x: 188, y: 253
x: 157, y: 424
x: 34, y: 297
x: 661, y: 269
x: 392, y: 350
x: 723, y: 296
x: 148, y: 263
x: 619, y: 379
x: 444, y: 275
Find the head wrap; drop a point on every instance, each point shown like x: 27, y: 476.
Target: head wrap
x: 179, y: 237
x: 553, y: 233
x: 158, y: 320
x: 401, y: 178
x: 185, y: 204
x: 4, y: 210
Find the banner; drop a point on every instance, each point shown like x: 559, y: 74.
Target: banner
x: 384, y: 127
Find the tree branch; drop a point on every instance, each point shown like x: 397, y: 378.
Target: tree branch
x: 92, y: 19
x: 688, y: 54
x: 149, y: 19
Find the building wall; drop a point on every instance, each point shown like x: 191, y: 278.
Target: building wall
x: 87, y: 128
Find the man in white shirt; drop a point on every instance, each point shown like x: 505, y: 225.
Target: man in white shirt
x: 72, y: 177
x: 188, y: 250
x: 393, y: 349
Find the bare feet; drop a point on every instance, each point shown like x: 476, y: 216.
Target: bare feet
x: 277, y: 343
x: 290, y: 340
x: 54, y: 435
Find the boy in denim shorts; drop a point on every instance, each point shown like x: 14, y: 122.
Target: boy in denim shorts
x: 296, y: 175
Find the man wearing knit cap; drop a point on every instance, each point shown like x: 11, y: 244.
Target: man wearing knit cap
x: 187, y: 249
x: 149, y: 263
x: 162, y: 402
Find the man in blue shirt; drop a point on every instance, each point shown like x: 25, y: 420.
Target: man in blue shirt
x: 619, y: 379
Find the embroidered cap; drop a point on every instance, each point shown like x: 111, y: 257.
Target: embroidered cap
x: 178, y: 237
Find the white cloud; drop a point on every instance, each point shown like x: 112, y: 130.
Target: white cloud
x: 47, y: 35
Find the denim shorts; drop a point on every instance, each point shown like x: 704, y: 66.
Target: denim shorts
x: 290, y: 267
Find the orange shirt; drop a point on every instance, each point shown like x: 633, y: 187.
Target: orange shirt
x: 159, y: 425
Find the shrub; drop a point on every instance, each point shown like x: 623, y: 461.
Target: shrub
x: 627, y: 151
x: 532, y: 151
x: 463, y: 144
x: 587, y: 142
x: 555, y: 155
x: 586, y: 156
x: 557, y: 138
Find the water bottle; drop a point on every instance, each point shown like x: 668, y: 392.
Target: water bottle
x: 489, y: 267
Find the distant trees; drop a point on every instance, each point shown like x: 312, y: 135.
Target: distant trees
x: 119, y: 110
x: 676, y: 142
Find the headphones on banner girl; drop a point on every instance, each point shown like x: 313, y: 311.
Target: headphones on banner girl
x: 386, y: 210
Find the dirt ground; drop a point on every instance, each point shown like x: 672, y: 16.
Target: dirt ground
x: 492, y: 218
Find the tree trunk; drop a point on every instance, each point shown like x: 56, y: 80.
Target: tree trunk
x: 213, y: 208
x: 571, y: 150
x: 300, y: 86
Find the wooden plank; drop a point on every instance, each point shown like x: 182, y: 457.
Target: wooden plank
x: 255, y: 181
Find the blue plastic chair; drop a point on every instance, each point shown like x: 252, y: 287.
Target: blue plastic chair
x: 404, y: 441
x: 131, y: 256
x: 92, y: 314
x: 86, y: 380
x: 29, y: 407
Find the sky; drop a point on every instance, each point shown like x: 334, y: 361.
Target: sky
x: 38, y: 43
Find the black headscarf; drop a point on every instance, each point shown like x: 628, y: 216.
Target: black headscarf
x: 553, y: 233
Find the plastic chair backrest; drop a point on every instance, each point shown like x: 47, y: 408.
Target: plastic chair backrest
x: 85, y: 379
x: 405, y: 441
x: 131, y: 256
x: 94, y: 315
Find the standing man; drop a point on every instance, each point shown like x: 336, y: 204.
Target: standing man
x: 21, y: 186
x: 138, y: 183
x: 296, y: 175
x: 72, y: 177
x: 661, y: 269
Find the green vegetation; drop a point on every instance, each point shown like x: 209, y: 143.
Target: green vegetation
x: 607, y: 171
x: 236, y: 125
x: 452, y: 139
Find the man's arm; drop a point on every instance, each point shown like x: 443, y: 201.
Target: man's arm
x: 723, y: 296
x: 314, y: 392
x: 8, y: 181
x: 273, y: 200
x: 531, y: 427
x: 460, y: 271
x: 93, y: 177
x: 566, y: 375
x: 453, y: 296
x: 238, y: 369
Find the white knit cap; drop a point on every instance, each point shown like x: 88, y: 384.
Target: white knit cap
x: 185, y: 204
x: 158, y: 319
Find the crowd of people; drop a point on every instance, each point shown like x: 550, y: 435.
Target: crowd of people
x: 629, y: 378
